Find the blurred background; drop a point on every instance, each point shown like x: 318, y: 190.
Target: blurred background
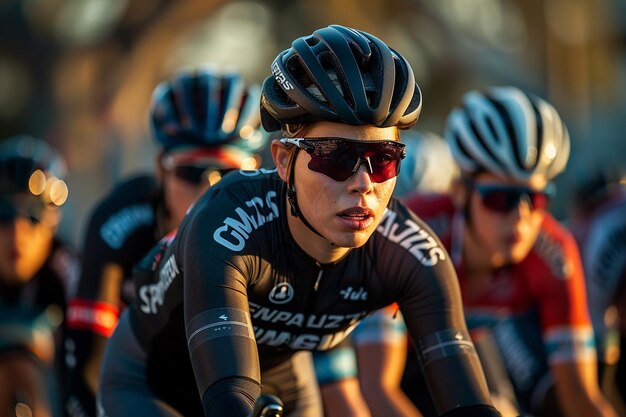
x: 80, y: 73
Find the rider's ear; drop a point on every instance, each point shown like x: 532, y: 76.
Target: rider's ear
x: 281, y: 154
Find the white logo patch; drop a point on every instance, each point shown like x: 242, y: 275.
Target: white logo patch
x: 282, y: 293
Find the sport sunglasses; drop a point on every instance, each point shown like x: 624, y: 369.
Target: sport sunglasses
x: 340, y: 158
x: 504, y: 198
x: 11, y: 210
x: 196, y: 175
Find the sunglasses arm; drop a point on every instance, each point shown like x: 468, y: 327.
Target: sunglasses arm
x: 300, y: 143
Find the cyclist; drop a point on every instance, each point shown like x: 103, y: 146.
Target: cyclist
x: 269, y: 264
x: 205, y: 124
x: 519, y: 270
x: 598, y: 222
x: 37, y: 269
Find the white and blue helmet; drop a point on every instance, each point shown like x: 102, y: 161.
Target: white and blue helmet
x: 509, y: 133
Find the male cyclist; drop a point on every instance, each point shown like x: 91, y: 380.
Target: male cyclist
x: 36, y: 271
x: 598, y: 222
x: 519, y: 270
x: 205, y: 124
x: 271, y: 264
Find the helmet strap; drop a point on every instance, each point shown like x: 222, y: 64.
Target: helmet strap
x: 293, y: 198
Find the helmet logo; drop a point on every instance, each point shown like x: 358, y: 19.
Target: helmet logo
x: 280, y: 77
x: 282, y: 293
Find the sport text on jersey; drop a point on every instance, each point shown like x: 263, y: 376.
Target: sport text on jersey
x: 123, y: 223
x: 234, y: 232
x: 310, y: 331
x: 152, y: 295
x: 412, y: 237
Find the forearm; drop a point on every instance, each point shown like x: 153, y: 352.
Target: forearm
x: 578, y: 392
x: 380, y: 370
x: 592, y: 407
x: 391, y: 402
x: 231, y: 397
x: 344, y: 399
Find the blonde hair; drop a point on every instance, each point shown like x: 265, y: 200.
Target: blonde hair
x: 294, y: 130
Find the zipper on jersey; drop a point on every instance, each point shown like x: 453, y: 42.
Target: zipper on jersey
x: 317, y: 281
x: 312, y: 299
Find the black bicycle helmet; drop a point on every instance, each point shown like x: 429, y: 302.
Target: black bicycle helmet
x: 344, y: 75
x: 202, y: 108
x: 29, y: 165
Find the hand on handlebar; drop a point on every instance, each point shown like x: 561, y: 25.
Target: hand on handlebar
x: 267, y: 406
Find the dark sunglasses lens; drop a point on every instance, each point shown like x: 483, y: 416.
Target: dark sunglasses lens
x: 197, y: 175
x: 332, y: 158
x: 190, y: 174
x: 9, y: 211
x: 500, y: 200
x: 385, y: 163
x: 337, y: 158
x: 504, y: 201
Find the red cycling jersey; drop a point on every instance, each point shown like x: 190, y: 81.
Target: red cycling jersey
x: 536, y: 309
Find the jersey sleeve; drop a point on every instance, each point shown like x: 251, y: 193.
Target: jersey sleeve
x: 213, y: 245
x: 559, y: 284
x: 120, y: 230
x: 423, y: 281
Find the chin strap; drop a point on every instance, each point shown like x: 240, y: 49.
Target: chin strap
x: 292, y: 198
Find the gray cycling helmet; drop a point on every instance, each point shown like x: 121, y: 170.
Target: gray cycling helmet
x: 509, y: 133
x: 344, y: 75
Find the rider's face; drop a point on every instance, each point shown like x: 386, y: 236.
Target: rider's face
x: 505, y: 232
x: 345, y: 212
x: 187, y: 175
x: 25, y: 244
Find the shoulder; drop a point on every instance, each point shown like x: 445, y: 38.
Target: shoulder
x: 235, y: 208
x: 555, y: 233
x: 557, y: 248
x: 250, y: 188
x: 136, y: 191
x: 401, y: 230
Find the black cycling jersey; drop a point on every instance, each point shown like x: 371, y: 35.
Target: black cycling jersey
x: 121, y: 230
x: 32, y: 314
x: 234, y: 295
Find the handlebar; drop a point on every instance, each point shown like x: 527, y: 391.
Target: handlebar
x: 267, y: 406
